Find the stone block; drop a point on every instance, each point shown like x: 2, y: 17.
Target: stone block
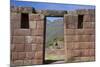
x: 28, y: 48
x: 34, y: 47
x: 73, y: 45
x: 87, y: 45
x: 70, y: 31
x: 18, y: 39
x: 88, y: 25
x: 14, y: 24
x: 19, y: 47
x: 38, y: 55
x: 21, y: 55
x: 85, y: 31
x: 86, y: 38
x: 69, y: 55
x: 12, y: 47
x: 39, y: 40
x: 39, y: 47
x: 71, y: 21
x: 85, y: 52
x: 36, y: 32
x: 32, y: 24
x: 76, y: 59
x: 36, y: 17
x: 89, y: 18
x: 92, y: 52
x: 76, y: 53
x: 22, y: 32
x: 85, y: 11
x: 92, y: 58
x: 72, y: 38
x: 18, y: 62
x: 14, y: 56
x: 40, y: 24
x: 27, y: 62
x: 15, y: 16
x: 30, y: 39
x: 29, y: 55
x: 37, y: 61
x: 84, y: 59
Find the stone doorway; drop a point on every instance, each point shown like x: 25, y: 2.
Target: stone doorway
x: 54, y: 40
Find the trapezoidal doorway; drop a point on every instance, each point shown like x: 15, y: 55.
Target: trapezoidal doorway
x: 54, y: 42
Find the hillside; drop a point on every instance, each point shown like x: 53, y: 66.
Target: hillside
x: 54, y: 30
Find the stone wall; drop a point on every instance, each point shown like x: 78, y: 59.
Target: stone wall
x: 79, y: 42
x: 27, y: 44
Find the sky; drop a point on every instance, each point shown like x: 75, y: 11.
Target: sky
x: 53, y: 18
x: 50, y: 6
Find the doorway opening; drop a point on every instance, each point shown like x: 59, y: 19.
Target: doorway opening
x: 54, y: 40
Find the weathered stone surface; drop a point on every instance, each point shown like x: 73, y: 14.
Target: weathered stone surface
x: 28, y: 48
x: 51, y: 12
x: 21, y: 32
x: 18, y: 62
x: 76, y: 59
x: 21, y: 9
x: 71, y: 21
x: 39, y: 40
x: 12, y: 47
x: 15, y: 16
x: 32, y: 24
x: 85, y: 59
x: 87, y: 45
x: 84, y: 31
x: 88, y: 52
x: 15, y: 24
x: 90, y: 25
x: 38, y: 55
x: 27, y: 44
x: 76, y: 53
x: 30, y: 39
x: 19, y: 47
x: 86, y: 38
x: 40, y: 24
x: 36, y: 17
x: 29, y: 55
x: 37, y: 32
x: 39, y: 47
x: 18, y: 39
x: 89, y: 18
x: 84, y: 11
x: 92, y: 52
x: 27, y: 62
x: 73, y: 45
x: 14, y: 55
x: 34, y: 47
x: 72, y: 38
x: 70, y: 31
x: 21, y: 55
x: 37, y: 61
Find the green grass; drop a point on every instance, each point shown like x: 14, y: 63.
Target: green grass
x: 54, y: 57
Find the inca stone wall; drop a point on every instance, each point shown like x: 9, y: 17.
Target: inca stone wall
x: 79, y: 42
x: 27, y: 44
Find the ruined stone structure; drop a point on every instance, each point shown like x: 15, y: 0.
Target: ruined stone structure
x: 28, y: 35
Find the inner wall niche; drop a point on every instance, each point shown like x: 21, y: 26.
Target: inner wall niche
x: 24, y: 20
x: 54, y: 43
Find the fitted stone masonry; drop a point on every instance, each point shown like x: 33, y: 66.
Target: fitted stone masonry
x: 27, y: 45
